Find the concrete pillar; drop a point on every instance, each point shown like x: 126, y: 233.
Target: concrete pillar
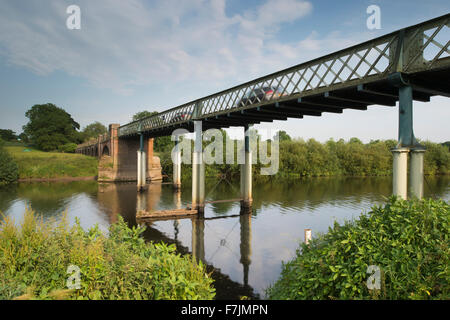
x: 242, y: 184
x: 139, y: 168
x: 399, y: 172
x: 246, y: 175
x: 177, y: 199
x: 144, y: 168
x: 198, y: 171
x: 416, y: 172
x: 114, y: 145
x: 177, y: 165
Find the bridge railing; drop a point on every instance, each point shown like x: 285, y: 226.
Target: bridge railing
x: 94, y: 141
x: 417, y: 48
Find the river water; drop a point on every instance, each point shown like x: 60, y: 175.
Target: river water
x: 244, y: 252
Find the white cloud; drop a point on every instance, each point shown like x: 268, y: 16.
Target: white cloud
x: 123, y: 44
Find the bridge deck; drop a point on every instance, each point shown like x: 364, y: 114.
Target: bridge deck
x: 353, y: 78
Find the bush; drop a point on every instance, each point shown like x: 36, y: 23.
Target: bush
x: 35, y: 257
x: 68, y: 148
x: 407, y: 240
x: 9, y: 171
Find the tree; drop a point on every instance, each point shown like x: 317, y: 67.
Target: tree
x: 8, y: 135
x: 160, y: 143
x: 283, y: 136
x: 24, y: 138
x: 93, y: 130
x: 50, y: 127
x: 143, y: 114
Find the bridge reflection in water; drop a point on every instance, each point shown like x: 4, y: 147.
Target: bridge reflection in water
x: 118, y: 199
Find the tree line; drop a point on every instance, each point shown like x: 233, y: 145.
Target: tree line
x: 311, y: 158
x: 51, y: 128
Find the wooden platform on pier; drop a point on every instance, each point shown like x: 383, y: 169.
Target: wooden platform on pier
x: 166, y: 214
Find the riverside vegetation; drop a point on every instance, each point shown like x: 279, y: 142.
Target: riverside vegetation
x: 299, y: 158
x: 35, y: 164
x: 9, y: 171
x: 407, y: 240
x: 34, y: 260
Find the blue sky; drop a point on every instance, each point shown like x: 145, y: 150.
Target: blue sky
x: 139, y: 55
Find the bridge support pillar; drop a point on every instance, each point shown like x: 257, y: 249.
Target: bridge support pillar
x: 416, y: 172
x: 407, y: 143
x: 141, y: 166
x: 246, y: 176
x: 177, y: 165
x: 198, y: 171
x: 399, y: 172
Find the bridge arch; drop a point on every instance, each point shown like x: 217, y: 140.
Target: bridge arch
x: 105, y: 151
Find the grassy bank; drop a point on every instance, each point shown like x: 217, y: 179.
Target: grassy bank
x: 407, y: 241
x: 35, y: 260
x: 35, y: 164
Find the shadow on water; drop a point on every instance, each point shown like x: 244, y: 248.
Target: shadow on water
x: 243, y: 252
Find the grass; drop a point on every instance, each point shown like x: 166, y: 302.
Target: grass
x: 42, y: 260
x: 35, y: 164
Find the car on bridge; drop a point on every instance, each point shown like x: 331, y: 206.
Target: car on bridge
x: 261, y: 94
x: 181, y: 116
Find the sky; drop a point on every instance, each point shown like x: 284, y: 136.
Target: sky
x: 135, y: 55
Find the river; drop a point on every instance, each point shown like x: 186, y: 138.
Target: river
x: 244, y: 252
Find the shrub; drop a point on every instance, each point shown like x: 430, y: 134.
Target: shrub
x: 407, y: 240
x: 35, y: 257
x: 68, y: 148
x: 8, y: 168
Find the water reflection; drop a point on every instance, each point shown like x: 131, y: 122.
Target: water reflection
x: 244, y: 252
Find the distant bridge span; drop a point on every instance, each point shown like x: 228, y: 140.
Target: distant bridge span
x: 409, y: 64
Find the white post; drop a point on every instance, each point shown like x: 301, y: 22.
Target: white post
x: 308, y: 235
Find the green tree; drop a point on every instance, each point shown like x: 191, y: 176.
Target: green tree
x: 50, y: 127
x: 143, y: 114
x: 9, y: 171
x: 283, y: 136
x: 8, y: 135
x: 93, y: 130
x: 24, y: 138
x: 161, y: 143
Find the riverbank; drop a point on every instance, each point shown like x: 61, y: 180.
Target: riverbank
x: 54, y: 261
x: 396, y: 251
x: 35, y: 165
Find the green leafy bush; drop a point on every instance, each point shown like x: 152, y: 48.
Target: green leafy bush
x: 8, y: 168
x: 407, y: 240
x: 68, y: 148
x: 35, y: 257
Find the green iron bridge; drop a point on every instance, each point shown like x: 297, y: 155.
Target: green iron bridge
x: 365, y: 74
x: 406, y: 65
